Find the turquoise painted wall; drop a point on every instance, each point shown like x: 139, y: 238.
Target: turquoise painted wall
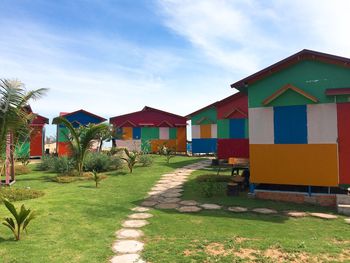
x: 312, y: 77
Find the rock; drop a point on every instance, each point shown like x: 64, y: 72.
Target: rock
x: 189, y: 209
x: 149, y: 203
x: 189, y: 202
x: 135, y: 223
x: 128, y: 246
x: 140, y: 216
x: 140, y: 209
x: 171, y: 195
x: 323, y: 215
x: 129, y: 233
x: 265, y: 211
x: 167, y: 206
x: 171, y: 200
x: 128, y: 258
x: 211, y: 206
x: 296, y: 214
x: 237, y: 209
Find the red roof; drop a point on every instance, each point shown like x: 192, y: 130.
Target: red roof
x: 338, y: 91
x: 304, y: 54
x: 239, y: 96
x: 39, y: 120
x: 149, y: 117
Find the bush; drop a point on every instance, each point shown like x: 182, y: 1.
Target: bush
x: 22, y: 169
x: 62, y: 165
x: 214, y: 178
x: 117, y: 162
x: 98, y: 162
x: 210, y: 189
x: 19, y: 194
x: 46, y: 164
x: 145, y: 160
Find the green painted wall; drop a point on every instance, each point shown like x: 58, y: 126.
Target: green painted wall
x: 172, y: 133
x: 224, y: 129
x: 211, y: 114
x: 149, y: 133
x: 63, y: 132
x: 146, y: 146
x: 22, y: 149
x: 312, y: 77
x: 246, y: 128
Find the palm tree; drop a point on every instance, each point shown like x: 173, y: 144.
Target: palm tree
x: 81, y: 139
x: 13, y: 118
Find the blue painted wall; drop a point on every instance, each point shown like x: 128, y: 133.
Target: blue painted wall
x: 204, y: 145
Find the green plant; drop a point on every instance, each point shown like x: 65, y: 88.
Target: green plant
x: 210, y: 187
x: 98, y: 162
x: 145, y: 160
x: 97, y: 178
x: 213, y: 178
x: 166, y: 151
x: 19, y: 194
x: 117, y: 162
x: 131, y: 158
x: 46, y: 164
x: 21, y: 219
x: 62, y: 165
x: 81, y: 139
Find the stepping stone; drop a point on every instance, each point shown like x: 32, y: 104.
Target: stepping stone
x: 237, y: 209
x: 154, y: 193
x: 154, y: 198
x: 149, y: 203
x: 140, y: 209
x: 129, y: 233
x: 347, y: 220
x: 171, y: 195
x: 189, y: 209
x: 323, y: 215
x: 128, y: 258
x: 211, y: 206
x: 171, y: 200
x: 135, y: 223
x: 128, y: 246
x: 189, y: 202
x: 140, y: 216
x: 265, y: 211
x: 167, y: 206
x: 296, y: 214
x: 173, y: 191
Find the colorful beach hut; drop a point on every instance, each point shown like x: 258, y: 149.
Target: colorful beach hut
x: 299, y: 121
x: 222, y: 128
x: 33, y: 146
x: 149, y: 129
x: 77, y: 118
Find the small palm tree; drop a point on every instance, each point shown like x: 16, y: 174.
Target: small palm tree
x: 81, y: 139
x: 21, y: 219
x: 131, y: 158
x: 14, y: 120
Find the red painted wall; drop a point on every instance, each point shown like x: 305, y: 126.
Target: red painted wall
x: 343, y: 112
x: 226, y: 106
x: 36, y: 141
x: 233, y: 148
x: 63, y: 149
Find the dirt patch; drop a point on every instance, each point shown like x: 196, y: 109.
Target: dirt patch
x: 247, y: 253
x: 215, y: 249
x: 188, y: 253
x: 340, y: 242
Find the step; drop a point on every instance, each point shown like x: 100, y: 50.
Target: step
x: 344, y: 209
x: 343, y: 199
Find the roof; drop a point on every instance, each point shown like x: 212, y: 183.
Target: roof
x: 304, y: 54
x: 38, y: 119
x: 65, y: 114
x: 338, y: 91
x: 217, y: 103
x: 149, y: 116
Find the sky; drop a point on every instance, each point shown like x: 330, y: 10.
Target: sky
x: 114, y: 57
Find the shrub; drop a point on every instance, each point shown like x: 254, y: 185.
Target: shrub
x: 213, y: 178
x: 145, y: 160
x: 22, y: 169
x: 19, y: 194
x: 46, y: 164
x: 211, y: 188
x: 167, y: 152
x: 20, y: 220
x: 98, y: 162
x: 117, y: 162
x: 62, y: 165
x: 131, y: 158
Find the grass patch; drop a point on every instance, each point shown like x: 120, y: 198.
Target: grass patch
x: 19, y: 194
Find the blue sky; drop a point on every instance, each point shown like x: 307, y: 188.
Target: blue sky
x: 114, y: 57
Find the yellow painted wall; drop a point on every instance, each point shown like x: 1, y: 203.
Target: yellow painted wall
x: 181, y: 139
x: 205, y: 131
x: 127, y: 133
x: 294, y: 164
x: 157, y: 143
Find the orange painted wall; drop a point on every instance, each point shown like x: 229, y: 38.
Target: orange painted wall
x: 157, y: 143
x: 294, y: 164
x: 127, y: 133
x: 36, y: 142
x: 205, y: 131
x: 63, y: 149
x: 182, y: 139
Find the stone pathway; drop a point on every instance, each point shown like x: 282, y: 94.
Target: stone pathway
x: 166, y: 194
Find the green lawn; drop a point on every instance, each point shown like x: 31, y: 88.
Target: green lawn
x: 76, y: 222
x: 220, y: 236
